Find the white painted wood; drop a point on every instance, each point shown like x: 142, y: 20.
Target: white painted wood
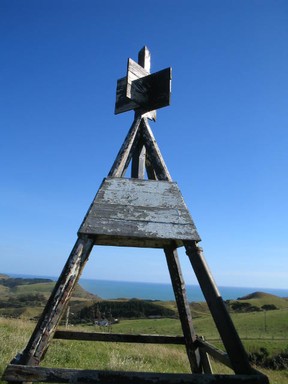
x: 145, y: 209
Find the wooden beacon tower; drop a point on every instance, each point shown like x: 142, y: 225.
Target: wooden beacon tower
x: 139, y: 212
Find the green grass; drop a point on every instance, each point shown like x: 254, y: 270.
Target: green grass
x: 265, y: 329
x: 258, y: 299
x: 15, y: 333
x: 22, y: 309
x: 44, y: 288
x: 269, y: 324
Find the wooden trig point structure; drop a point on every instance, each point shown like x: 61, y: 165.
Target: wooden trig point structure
x: 146, y: 210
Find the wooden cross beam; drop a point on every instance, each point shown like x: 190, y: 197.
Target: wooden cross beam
x: 142, y: 91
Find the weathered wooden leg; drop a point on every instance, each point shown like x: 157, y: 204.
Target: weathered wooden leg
x: 183, y: 307
x: 138, y: 162
x: 56, y: 304
x: 205, y: 361
x: 154, y: 153
x: 227, y: 331
x: 149, y: 169
x: 123, y: 158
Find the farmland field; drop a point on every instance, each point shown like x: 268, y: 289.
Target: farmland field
x: 15, y: 333
x: 260, y: 319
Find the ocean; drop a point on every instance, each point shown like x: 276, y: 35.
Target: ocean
x: 160, y: 291
x: 106, y: 289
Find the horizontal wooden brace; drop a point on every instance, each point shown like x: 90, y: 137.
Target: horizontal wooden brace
x: 216, y: 353
x: 119, y: 337
x: 20, y: 373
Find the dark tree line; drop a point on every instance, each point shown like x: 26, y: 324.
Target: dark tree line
x: 14, y: 282
x: 28, y: 300
x: 133, y: 308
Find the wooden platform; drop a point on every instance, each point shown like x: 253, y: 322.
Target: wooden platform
x: 135, y: 212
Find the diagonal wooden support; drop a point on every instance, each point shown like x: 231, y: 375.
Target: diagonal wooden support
x: 227, y: 331
x: 56, y: 304
x: 125, y: 153
x: 183, y: 308
x: 154, y: 153
x: 138, y: 161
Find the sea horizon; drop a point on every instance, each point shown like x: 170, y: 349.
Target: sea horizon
x: 113, y: 289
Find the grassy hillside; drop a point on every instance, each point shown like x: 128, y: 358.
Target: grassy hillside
x: 26, y: 298
x: 15, y: 333
x: 264, y: 332
x: 257, y: 301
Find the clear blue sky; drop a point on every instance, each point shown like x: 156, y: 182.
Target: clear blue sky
x: 224, y: 138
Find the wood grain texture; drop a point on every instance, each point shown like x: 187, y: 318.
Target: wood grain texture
x: 214, y: 352
x: 144, y: 58
x: 145, y: 209
x: 126, y: 151
x: 222, y: 319
x: 152, y: 91
x: 55, y: 307
x: 153, y: 152
x: 119, y: 337
x: 185, y: 316
x: 134, y: 72
x: 142, y: 91
x: 123, y: 104
x: 20, y: 373
x: 138, y: 161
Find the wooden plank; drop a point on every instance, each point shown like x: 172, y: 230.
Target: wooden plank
x: 205, y: 362
x: 139, y: 208
x: 57, y: 303
x: 123, y: 104
x: 144, y: 58
x: 216, y: 353
x: 225, y: 326
x: 154, y: 153
x: 138, y: 162
x: 141, y: 91
x: 136, y: 242
x: 134, y: 72
x: 20, y: 373
x: 152, y: 91
x: 183, y: 308
x: 119, y: 337
x: 124, y: 155
x: 203, y: 345
x: 149, y: 169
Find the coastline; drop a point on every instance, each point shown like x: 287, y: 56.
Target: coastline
x: 111, y: 289
x: 163, y: 291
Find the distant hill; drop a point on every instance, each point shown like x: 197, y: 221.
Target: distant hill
x: 26, y: 297
x: 258, y: 301
x: 3, y: 277
x: 258, y: 295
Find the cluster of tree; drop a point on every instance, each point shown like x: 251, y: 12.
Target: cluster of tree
x: 14, y: 282
x: 28, y: 300
x: 133, y: 308
x: 269, y: 307
x: 238, y: 306
x: 262, y: 359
